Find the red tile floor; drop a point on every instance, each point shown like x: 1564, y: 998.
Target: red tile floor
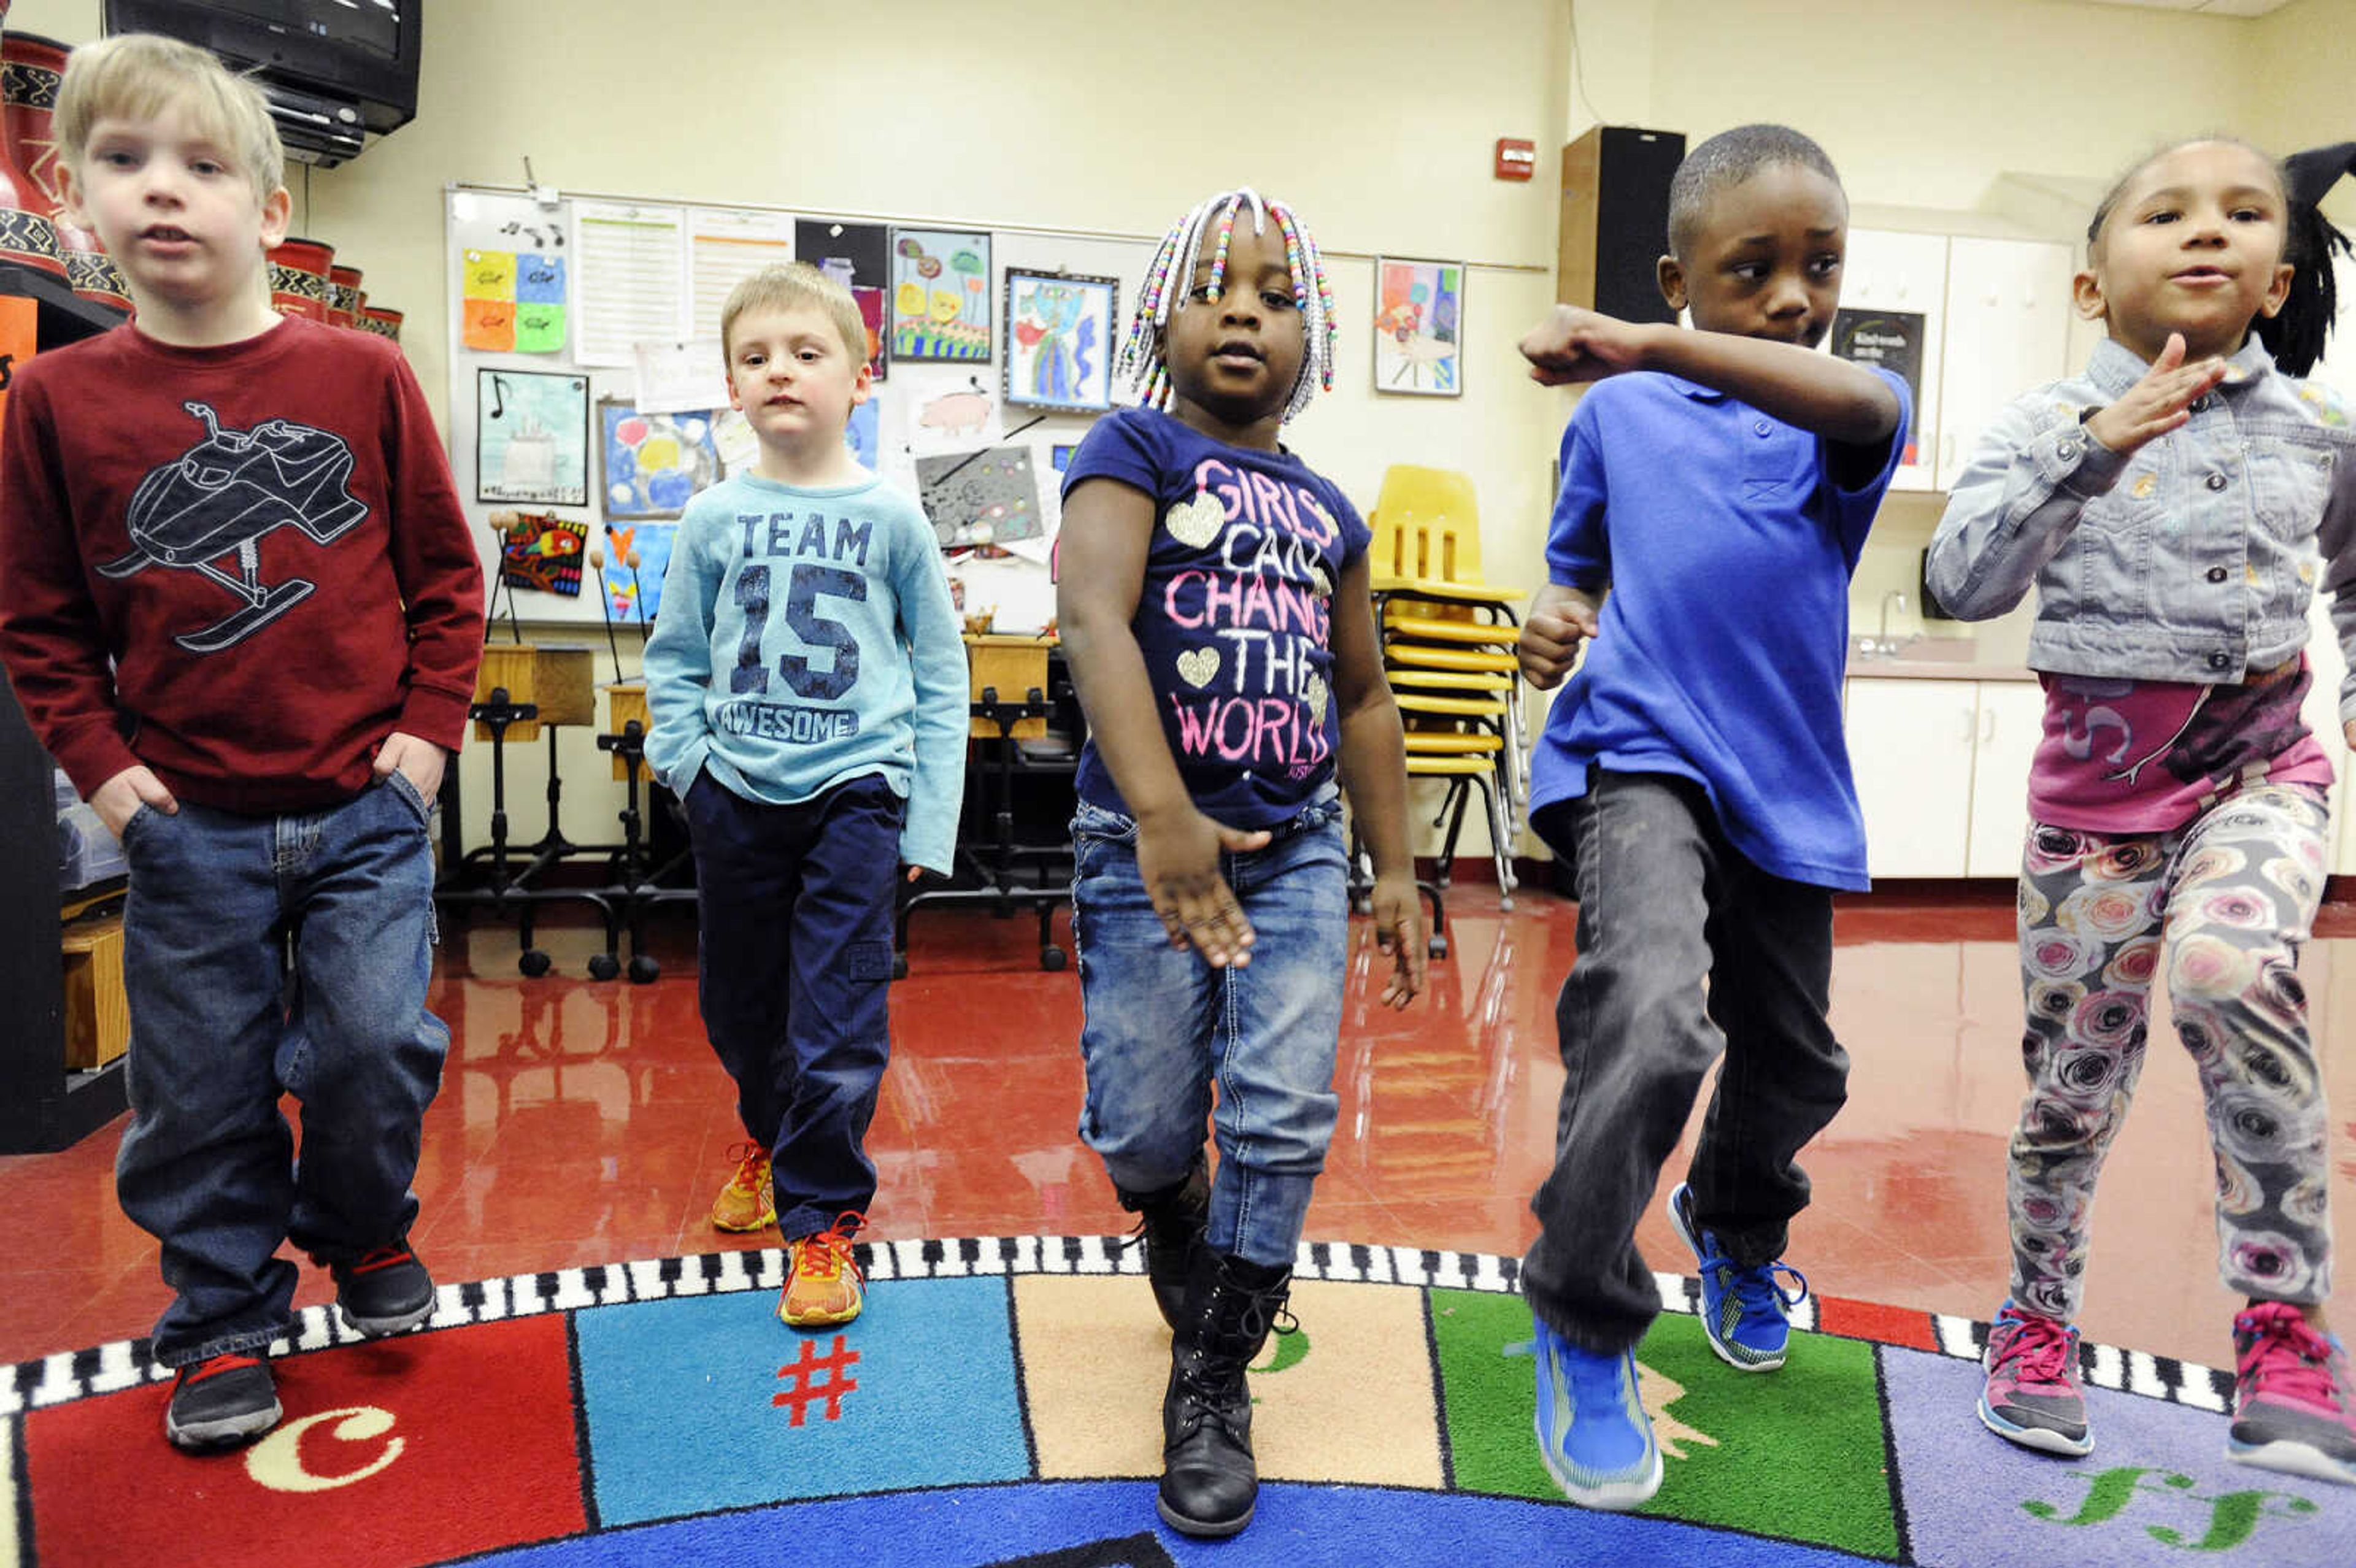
x: 582, y: 1122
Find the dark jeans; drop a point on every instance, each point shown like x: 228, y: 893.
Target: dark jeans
x: 218, y: 1030
x: 794, y: 963
x: 1685, y: 950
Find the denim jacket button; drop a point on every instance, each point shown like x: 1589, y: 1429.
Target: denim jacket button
x: 2066, y: 450
x: 1762, y: 428
x: 2216, y: 480
x: 2219, y: 660
x: 2217, y: 574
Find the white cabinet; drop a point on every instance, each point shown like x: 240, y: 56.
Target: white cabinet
x: 1910, y: 749
x: 2007, y: 330
x: 1904, y: 275
x: 1942, y: 770
x: 1996, y: 322
x: 2011, y: 721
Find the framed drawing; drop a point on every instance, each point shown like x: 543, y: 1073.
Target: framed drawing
x: 651, y: 464
x: 940, y: 295
x: 531, y: 438
x: 1059, y: 340
x: 1419, y: 327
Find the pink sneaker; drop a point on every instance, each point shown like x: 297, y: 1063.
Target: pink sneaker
x: 2033, y: 1395
x: 2292, y: 1409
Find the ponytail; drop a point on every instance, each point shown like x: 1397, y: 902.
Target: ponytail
x: 2295, y: 336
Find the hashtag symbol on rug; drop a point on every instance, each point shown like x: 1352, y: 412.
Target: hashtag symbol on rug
x: 808, y: 1384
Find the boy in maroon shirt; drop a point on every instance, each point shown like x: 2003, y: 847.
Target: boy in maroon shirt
x: 242, y: 609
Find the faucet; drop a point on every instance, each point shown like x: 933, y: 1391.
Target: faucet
x: 1882, y: 645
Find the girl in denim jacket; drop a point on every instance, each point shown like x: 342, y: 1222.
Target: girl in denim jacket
x: 2167, y: 503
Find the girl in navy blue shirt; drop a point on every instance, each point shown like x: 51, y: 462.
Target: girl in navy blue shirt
x: 1214, y: 610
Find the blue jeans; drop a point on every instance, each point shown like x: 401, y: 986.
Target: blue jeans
x: 1160, y: 1027
x: 1687, y: 951
x: 794, y: 967
x: 220, y: 1028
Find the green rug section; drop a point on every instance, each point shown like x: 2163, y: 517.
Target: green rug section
x: 1796, y: 1454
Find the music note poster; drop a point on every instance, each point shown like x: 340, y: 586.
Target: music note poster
x: 531, y: 438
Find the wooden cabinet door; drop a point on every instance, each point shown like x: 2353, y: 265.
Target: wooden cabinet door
x: 2007, y: 330
x: 1909, y: 747
x: 2011, y: 719
x: 1905, y: 273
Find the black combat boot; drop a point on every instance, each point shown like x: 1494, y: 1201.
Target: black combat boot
x: 1209, y: 1482
x: 1170, y: 1224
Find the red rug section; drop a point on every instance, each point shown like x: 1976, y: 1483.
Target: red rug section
x: 1903, y: 1325
x: 487, y: 1458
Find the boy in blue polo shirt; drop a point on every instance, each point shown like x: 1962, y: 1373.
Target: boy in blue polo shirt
x: 1716, y: 492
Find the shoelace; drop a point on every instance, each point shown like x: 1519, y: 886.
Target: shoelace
x: 2286, y: 1356
x: 383, y: 1257
x: 2039, y: 1349
x: 749, y: 1158
x: 213, y: 1364
x: 827, y: 1253
x: 1756, y: 1287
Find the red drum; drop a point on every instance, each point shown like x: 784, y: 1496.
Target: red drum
x: 382, y: 322
x: 298, y: 277
x: 343, y: 296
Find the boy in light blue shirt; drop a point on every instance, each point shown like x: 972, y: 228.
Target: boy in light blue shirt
x: 807, y: 681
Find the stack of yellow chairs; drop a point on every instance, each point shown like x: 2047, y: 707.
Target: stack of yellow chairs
x: 1448, y: 650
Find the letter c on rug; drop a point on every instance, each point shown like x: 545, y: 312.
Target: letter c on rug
x: 276, y: 1462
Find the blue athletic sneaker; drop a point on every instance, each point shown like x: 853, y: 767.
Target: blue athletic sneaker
x: 1742, y: 1309
x: 1593, y: 1434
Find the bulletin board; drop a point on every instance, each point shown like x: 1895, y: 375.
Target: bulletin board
x: 586, y: 382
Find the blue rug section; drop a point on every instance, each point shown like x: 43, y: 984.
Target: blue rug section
x: 2157, y: 1488
x: 692, y: 1403
x: 1112, y: 1524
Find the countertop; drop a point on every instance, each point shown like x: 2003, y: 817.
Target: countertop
x: 1932, y: 658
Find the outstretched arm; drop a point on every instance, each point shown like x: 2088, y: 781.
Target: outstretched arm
x: 1816, y: 393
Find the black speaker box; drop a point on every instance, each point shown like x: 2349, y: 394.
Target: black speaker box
x: 1615, y: 221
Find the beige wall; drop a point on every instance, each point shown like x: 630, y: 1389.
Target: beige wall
x: 1095, y: 115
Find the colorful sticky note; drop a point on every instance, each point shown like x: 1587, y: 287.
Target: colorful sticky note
x: 490, y: 275
x: 490, y: 326
x: 539, y: 279
x: 540, y: 329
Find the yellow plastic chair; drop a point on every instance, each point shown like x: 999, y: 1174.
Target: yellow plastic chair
x: 1447, y: 640
x: 1427, y: 528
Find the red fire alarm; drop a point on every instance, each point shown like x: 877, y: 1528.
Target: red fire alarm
x: 1517, y: 159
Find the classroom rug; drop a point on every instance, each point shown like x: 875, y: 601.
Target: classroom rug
x: 998, y: 1405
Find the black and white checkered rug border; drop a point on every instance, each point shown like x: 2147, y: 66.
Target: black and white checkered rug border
x: 70, y: 1375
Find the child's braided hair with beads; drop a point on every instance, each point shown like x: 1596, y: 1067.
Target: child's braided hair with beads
x: 1171, y: 273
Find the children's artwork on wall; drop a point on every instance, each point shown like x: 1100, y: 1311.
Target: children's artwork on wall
x: 1060, y: 454
x: 637, y: 558
x: 859, y: 254
x: 651, y: 464
x: 1059, y: 340
x: 1419, y: 327
x: 531, y: 438
x: 544, y: 552
x: 940, y: 295
x: 986, y: 497
x: 540, y: 312
x: 949, y: 415
x: 872, y: 311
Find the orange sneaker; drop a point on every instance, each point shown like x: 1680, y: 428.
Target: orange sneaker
x: 824, y: 1286
x: 744, y: 1204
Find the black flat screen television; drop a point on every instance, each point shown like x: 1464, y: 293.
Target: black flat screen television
x: 362, y: 50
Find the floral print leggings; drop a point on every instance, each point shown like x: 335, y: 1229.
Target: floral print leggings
x: 2221, y: 904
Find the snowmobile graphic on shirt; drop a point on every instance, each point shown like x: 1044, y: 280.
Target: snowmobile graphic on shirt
x: 220, y: 497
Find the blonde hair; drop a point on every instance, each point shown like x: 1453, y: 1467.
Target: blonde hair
x: 795, y: 285
x: 139, y: 76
